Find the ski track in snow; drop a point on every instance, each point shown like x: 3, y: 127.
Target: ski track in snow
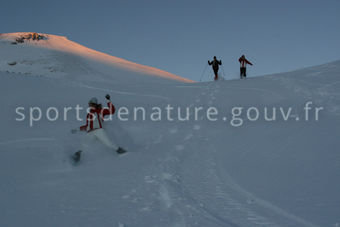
x: 213, y: 90
x: 164, y: 191
x: 226, y: 190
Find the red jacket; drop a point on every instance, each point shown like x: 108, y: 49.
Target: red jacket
x: 244, y: 62
x: 94, y: 119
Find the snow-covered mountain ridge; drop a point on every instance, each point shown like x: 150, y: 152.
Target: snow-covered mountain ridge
x: 51, y: 57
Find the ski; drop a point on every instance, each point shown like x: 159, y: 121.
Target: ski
x: 121, y: 150
x: 76, y: 157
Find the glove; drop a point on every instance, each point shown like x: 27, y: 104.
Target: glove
x: 107, y: 97
x: 83, y: 128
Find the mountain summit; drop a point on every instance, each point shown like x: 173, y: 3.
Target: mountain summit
x: 55, y: 56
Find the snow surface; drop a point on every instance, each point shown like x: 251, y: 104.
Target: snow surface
x: 57, y: 57
x: 196, y: 173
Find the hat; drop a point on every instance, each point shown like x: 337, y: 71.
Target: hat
x: 93, y: 101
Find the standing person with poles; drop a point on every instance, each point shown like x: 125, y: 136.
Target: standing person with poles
x: 215, y: 66
x: 243, y: 66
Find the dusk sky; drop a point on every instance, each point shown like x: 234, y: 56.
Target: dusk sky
x: 180, y: 36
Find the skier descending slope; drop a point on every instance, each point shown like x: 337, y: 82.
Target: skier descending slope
x: 94, y: 125
x: 243, y: 66
x: 215, y: 65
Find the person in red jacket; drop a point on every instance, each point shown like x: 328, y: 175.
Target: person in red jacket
x: 243, y: 66
x: 94, y: 122
x: 95, y: 117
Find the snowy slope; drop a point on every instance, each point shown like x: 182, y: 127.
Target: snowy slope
x: 196, y: 173
x: 56, y: 56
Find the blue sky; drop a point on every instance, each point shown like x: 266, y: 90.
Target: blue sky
x: 180, y: 36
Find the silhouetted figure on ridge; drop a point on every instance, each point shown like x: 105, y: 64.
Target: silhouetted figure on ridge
x: 243, y: 66
x: 215, y: 66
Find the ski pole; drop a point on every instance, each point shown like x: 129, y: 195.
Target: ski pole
x: 205, y: 68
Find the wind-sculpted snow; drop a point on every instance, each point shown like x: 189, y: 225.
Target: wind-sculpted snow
x: 176, y: 173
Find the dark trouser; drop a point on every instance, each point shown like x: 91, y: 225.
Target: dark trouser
x: 243, y: 72
x: 216, y: 74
